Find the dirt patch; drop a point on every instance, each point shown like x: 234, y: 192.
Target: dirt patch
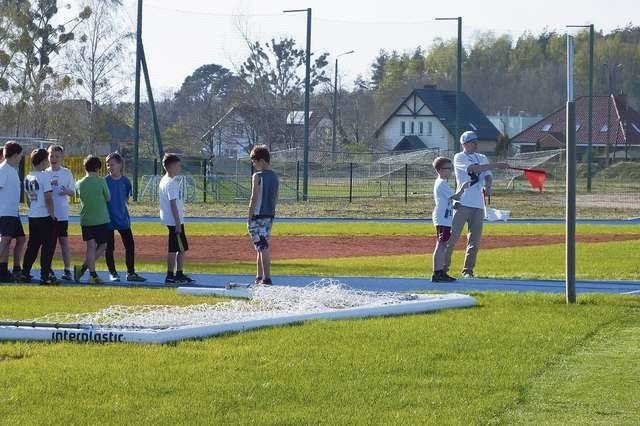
x: 221, y: 249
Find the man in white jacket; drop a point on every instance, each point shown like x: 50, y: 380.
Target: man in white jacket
x: 469, y: 166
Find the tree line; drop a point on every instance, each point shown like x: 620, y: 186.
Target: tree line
x: 62, y: 77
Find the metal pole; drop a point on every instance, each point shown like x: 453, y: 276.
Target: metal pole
x: 204, y: 180
x: 570, y: 243
x: 458, y: 81
x: 335, y: 112
x: 350, y: 182
x: 406, y: 183
x: 136, y: 111
x: 307, y: 89
x: 152, y: 104
x: 590, y: 128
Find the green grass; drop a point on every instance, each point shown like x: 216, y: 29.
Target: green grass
x: 481, y: 365
x: 536, y: 262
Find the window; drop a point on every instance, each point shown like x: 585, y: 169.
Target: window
x: 402, y: 127
x: 473, y: 126
x: 429, y: 128
x: 604, y: 128
x: 635, y: 127
x: 412, y: 128
x: 546, y: 127
x: 421, y: 127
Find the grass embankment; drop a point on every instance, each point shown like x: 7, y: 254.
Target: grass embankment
x: 515, y: 358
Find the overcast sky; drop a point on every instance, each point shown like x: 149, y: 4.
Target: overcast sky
x: 180, y: 36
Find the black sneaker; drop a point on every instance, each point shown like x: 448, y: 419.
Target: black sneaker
x: 170, y: 280
x: 185, y: 279
x: 78, y: 272
x: 266, y: 281
x: 439, y: 277
x: 50, y: 280
x: 66, y: 275
x: 257, y: 280
x: 467, y: 274
x: 23, y: 278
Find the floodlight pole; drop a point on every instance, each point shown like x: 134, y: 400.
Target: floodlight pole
x: 335, y: 106
x: 307, y: 89
x: 590, y: 116
x: 570, y: 242
x: 136, y: 103
x: 458, y: 73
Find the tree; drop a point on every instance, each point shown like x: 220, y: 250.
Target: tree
x: 203, y: 98
x: 37, y: 41
x: 273, y: 78
x: 96, y: 62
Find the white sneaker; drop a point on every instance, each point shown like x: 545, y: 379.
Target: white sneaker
x: 114, y: 278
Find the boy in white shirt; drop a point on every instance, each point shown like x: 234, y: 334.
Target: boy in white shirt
x: 172, y: 215
x: 472, y: 168
x: 42, y: 237
x: 442, y: 216
x: 63, y: 186
x: 10, y: 225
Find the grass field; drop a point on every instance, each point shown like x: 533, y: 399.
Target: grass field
x: 513, y: 359
x: 514, y: 262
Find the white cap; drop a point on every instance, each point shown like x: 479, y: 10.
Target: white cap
x: 468, y: 136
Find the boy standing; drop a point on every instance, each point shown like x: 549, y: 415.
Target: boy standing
x: 63, y: 186
x: 442, y: 216
x: 94, y: 218
x: 262, y: 209
x: 37, y: 187
x: 120, y: 190
x: 10, y: 225
x: 172, y: 215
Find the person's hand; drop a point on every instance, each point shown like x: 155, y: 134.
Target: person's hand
x: 486, y: 191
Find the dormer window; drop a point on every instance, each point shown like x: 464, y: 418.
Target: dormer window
x: 546, y: 127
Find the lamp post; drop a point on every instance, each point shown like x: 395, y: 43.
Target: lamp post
x: 335, y: 106
x: 590, y: 116
x: 611, y: 75
x: 307, y: 88
x: 458, y: 72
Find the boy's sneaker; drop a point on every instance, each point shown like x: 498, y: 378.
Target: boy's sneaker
x: 467, y: 274
x: 78, y: 272
x: 114, y: 277
x: 50, y: 280
x: 66, y: 275
x: 23, y: 278
x: 95, y: 280
x: 170, y: 279
x: 257, y: 280
x: 182, y: 278
x: 266, y: 281
x: 133, y: 277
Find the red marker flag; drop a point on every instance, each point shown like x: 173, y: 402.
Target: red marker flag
x: 535, y: 177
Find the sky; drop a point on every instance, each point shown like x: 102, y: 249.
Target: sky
x: 180, y: 36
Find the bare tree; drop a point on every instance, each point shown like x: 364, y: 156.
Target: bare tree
x: 97, y: 60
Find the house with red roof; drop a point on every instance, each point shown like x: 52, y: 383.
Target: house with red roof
x: 615, y: 128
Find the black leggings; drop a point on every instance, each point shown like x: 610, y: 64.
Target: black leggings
x: 42, y: 234
x: 129, y: 250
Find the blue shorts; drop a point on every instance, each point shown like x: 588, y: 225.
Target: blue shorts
x: 260, y: 232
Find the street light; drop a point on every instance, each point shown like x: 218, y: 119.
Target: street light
x: 307, y: 84
x: 335, y: 106
x: 590, y: 117
x: 459, y: 72
x: 611, y: 75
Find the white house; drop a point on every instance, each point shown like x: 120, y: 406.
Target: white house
x: 427, y: 119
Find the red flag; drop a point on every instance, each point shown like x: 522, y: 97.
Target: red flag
x: 536, y: 178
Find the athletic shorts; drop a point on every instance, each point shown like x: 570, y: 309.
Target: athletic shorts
x: 99, y: 233
x: 177, y: 242
x: 10, y: 226
x: 443, y: 233
x: 260, y: 232
x: 62, y: 228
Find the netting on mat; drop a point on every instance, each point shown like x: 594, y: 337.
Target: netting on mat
x: 264, y: 302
